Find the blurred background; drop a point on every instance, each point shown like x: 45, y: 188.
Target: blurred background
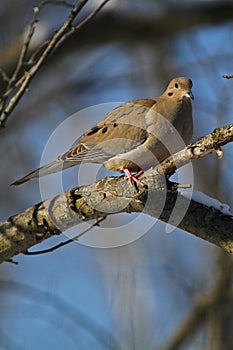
x: 141, y: 295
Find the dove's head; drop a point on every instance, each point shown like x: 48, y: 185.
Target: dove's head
x: 180, y: 88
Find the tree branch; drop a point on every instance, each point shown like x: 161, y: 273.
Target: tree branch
x: 205, y: 145
x: 108, y: 196
x: 21, y: 86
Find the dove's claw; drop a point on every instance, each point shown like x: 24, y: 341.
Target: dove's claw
x: 131, y: 178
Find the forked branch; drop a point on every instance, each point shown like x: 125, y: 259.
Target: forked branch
x: 113, y: 195
x: 28, y: 67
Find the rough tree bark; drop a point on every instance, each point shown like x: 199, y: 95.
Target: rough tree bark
x: 113, y: 195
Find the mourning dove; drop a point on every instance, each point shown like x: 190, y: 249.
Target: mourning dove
x: 133, y: 136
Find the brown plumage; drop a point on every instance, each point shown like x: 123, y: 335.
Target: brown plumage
x: 134, y: 135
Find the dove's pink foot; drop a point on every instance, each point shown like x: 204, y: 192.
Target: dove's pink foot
x: 131, y: 178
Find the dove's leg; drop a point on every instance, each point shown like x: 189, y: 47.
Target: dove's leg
x: 131, y: 178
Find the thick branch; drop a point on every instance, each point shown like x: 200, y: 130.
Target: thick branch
x: 157, y: 198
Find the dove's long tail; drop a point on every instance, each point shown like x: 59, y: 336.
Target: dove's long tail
x: 50, y: 168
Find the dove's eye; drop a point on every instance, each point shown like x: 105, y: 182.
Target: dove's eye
x: 176, y: 85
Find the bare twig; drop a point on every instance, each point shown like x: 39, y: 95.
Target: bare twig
x: 11, y: 82
x: 24, y: 50
x: 4, y: 76
x: 227, y: 76
x: 205, y: 145
x: 83, y: 23
x: 62, y: 244
x: 7, y: 107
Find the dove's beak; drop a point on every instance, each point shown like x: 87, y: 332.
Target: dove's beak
x: 190, y: 94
